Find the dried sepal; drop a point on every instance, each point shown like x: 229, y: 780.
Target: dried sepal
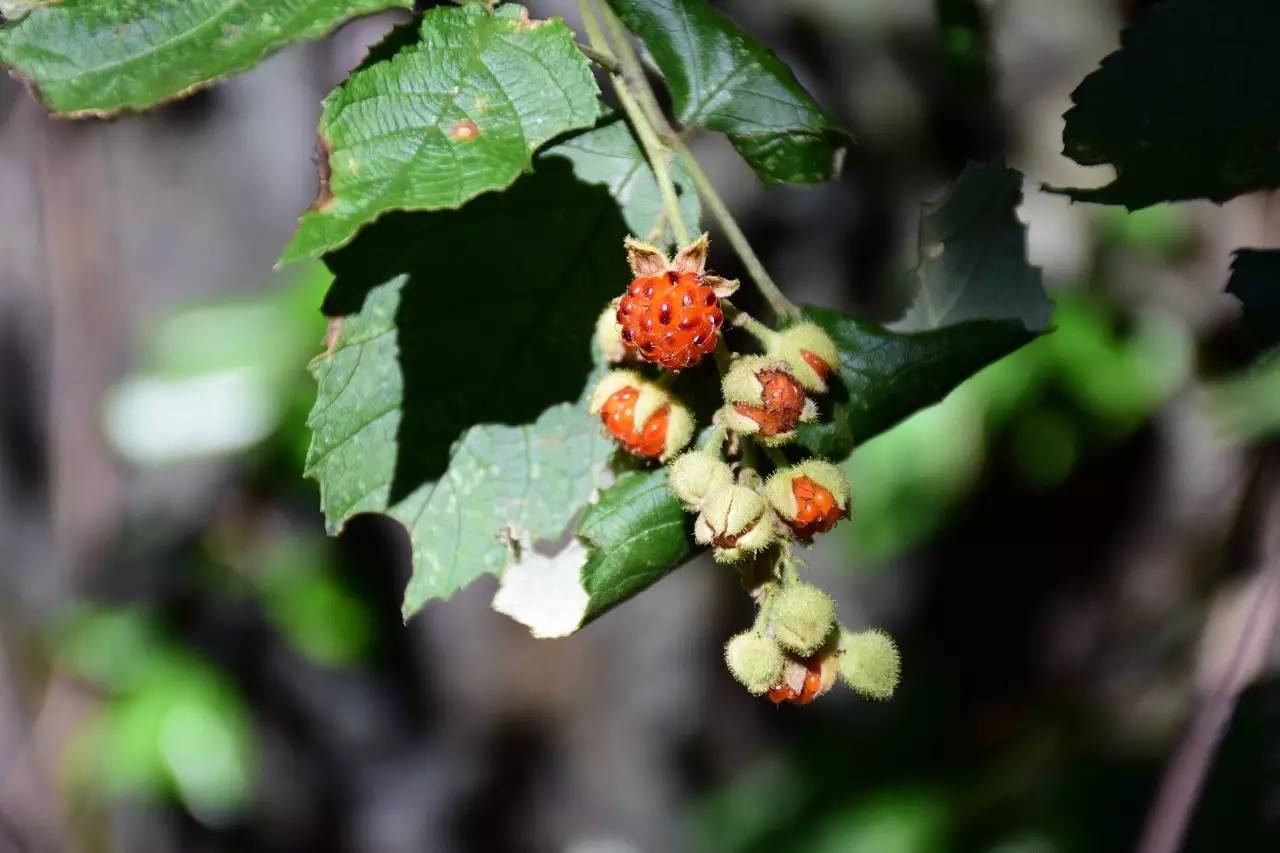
x: 644, y: 259
x: 693, y: 257
x: 722, y: 287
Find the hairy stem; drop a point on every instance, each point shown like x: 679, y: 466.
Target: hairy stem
x: 656, y: 153
x: 741, y: 246
x: 743, y: 320
x: 633, y: 70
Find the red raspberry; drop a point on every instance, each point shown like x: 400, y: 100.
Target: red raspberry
x: 816, y: 508
x: 672, y: 318
x: 781, y: 406
x: 618, y: 416
x: 783, y: 692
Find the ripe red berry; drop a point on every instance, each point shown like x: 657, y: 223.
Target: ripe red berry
x: 782, y: 403
x: 672, y: 319
x: 618, y: 416
x: 816, y: 508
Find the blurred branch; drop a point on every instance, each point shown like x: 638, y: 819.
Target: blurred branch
x: 1184, y: 778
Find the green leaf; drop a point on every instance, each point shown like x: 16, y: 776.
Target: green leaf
x: 722, y: 79
x: 1189, y: 107
x: 637, y: 534
x: 886, y: 376
x: 973, y: 256
x: 1255, y: 281
x: 90, y: 57
x: 438, y: 122
x: 479, y: 315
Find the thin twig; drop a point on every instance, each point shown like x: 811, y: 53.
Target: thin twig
x: 604, y: 60
x: 741, y: 246
x: 1183, y: 780
x: 656, y: 153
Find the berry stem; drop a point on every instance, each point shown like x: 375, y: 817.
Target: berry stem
x: 628, y: 68
x: 714, y: 441
x: 743, y: 320
x: 721, y: 354
x: 651, y: 120
x: 741, y: 246
x: 787, y: 563
x: 777, y: 457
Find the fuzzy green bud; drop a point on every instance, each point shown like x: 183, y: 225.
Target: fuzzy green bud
x: 870, y: 663
x: 809, y: 352
x: 754, y: 660
x: 802, y: 618
x: 736, y: 521
x: 694, y: 475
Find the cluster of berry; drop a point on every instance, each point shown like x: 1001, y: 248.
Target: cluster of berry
x: 671, y: 316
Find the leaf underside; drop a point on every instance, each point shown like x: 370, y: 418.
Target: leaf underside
x: 434, y: 123
x: 973, y: 257
x: 1188, y: 107
x: 722, y: 79
x: 481, y: 315
x: 88, y: 57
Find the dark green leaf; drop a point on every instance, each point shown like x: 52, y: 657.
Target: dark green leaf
x: 885, y: 376
x: 973, y: 256
x: 722, y: 79
x: 636, y: 535
x: 1189, y: 107
x: 96, y: 57
x: 438, y: 122
x: 477, y: 316
x: 1255, y: 281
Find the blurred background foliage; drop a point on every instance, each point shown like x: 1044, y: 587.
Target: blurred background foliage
x: 190, y: 664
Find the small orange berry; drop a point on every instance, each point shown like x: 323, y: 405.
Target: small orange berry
x: 816, y: 508
x: 618, y: 416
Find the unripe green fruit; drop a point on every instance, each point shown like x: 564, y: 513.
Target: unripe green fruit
x: 870, y: 663
x: 694, y: 475
x: 736, y: 520
x: 755, y: 660
x: 802, y: 618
